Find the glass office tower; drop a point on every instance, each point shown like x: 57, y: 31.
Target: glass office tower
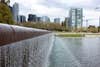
x: 76, y: 18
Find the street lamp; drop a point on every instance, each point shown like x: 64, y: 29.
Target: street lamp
x: 86, y: 20
x: 98, y: 9
x: 87, y: 25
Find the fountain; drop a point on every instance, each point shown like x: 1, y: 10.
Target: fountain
x: 24, y: 47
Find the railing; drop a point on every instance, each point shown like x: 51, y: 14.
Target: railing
x: 24, y: 47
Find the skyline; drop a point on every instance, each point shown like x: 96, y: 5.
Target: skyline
x: 60, y: 9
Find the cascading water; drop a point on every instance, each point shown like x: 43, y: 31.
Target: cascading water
x: 48, y: 51
x: 24, y: 47
x: 32, y: 52
x: 61, y: 56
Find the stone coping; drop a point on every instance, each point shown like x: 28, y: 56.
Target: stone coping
x: 12, y: 33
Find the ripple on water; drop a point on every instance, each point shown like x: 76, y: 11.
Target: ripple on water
x: 61, y: 56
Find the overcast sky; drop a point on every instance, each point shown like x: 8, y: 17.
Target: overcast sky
x: 60, y: 8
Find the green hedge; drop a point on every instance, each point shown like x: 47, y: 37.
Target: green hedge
x: 71, y: 35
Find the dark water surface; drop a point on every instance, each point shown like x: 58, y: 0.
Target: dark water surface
x: 75, y: 52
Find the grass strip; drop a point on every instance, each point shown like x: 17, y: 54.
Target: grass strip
x: 71, y: 35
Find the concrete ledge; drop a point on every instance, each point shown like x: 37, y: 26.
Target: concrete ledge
x: 12, y: 33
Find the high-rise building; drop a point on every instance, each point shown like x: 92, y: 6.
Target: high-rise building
x: 99, y: 21
x: 32, y: 18
x: 15, y: 11
x: 76, y: 18
x: 67, y: 23
x: 57, y: 20
x: 45, y: 19
x: 38, y: 19
x: 21, y: 18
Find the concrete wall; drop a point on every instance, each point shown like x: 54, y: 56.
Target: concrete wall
x: 32, y: 52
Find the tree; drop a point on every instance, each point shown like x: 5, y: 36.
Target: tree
x: 8, y: 1
x: 2, y: 1
x: 5, y: 1
x: 64, y: 23
x: 92, y: 29
x: 98, y: 28
x: 5, y: 14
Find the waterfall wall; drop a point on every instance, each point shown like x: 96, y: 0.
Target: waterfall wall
x: 30, y: 52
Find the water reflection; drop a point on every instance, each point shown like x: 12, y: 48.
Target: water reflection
x: 61, y: 56
x: 76, y: 52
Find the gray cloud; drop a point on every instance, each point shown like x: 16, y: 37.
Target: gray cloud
x: 89, y: 4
